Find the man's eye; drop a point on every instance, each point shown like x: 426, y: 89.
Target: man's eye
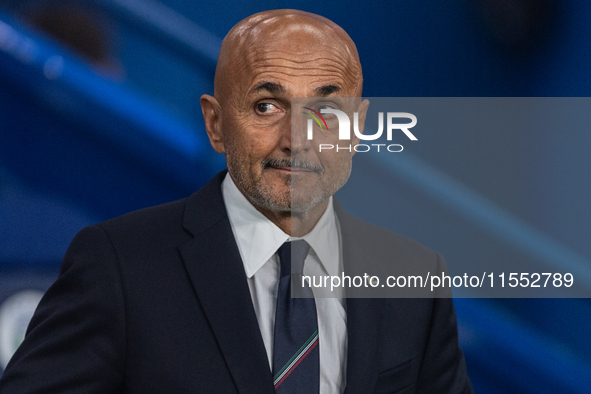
x: 266, y: 108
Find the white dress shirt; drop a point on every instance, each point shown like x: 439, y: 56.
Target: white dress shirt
x: 258, y: 240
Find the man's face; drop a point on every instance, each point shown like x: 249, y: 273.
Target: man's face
x: 274, y: 165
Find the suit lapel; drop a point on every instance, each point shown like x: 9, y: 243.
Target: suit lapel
x: 364, y: 315
x: 216, y: 270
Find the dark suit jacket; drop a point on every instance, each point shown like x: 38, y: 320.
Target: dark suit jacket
x: 156, y: 301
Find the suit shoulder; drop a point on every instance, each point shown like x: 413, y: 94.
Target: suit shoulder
x: 161, y: 221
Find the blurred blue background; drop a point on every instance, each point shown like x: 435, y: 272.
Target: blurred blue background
x: 99, y: 115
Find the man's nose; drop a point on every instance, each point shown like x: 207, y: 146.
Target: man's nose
x: 297, y: 134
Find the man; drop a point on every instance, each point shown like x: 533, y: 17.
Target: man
x: 193, y: 296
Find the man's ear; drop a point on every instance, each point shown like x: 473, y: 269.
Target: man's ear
x: 362, y: 111
x: 212, y: 115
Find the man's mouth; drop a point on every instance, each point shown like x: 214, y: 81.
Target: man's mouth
x: 293, y: 166
x: 292, y: 169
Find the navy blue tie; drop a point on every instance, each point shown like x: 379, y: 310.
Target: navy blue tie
x: 296, y: 365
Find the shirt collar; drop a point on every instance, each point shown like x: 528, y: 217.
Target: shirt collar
x: 258, y: 238
x: 324, y: 240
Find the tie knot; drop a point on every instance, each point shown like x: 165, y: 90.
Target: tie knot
x: 293, y: 254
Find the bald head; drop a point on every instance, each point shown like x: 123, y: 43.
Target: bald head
x: 301, y: 41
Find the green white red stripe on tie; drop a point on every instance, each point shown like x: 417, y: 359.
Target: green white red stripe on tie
x: 297, y: 358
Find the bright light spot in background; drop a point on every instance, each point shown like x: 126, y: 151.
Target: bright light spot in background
x: 15, y: 314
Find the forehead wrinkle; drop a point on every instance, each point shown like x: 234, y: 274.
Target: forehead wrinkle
x: 313, y: 67
x: 303, y: 66
x: 333, y: 75
x: 267, y: 73
x: 304, y: 57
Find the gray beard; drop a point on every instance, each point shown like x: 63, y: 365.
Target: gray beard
x: 263, y: 198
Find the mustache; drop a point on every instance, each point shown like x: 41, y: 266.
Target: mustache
x: 292, y: 163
